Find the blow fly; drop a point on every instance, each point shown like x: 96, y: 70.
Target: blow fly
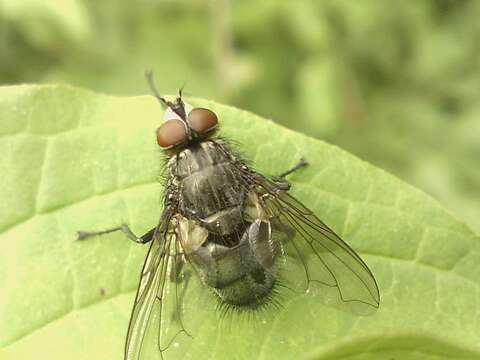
x: 230, y: 226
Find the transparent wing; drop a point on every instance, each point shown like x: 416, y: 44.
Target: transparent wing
x: 157, y: 316
x: 325, y: 257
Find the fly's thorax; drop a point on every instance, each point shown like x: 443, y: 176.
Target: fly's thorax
x: 210, y: 186
x: 197, y: 157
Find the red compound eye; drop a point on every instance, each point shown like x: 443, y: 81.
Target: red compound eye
x: 171, y: 133
x: 202, y: 120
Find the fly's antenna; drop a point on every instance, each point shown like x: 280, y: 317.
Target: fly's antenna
x: 153, y: 88
x: 177, y: 107
x: 180, y: 95
x: 180, y: 91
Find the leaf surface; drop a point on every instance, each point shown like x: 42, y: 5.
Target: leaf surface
x: 74, y: 160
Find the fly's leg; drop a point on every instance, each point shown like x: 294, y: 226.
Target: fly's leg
x: 147, y: 237
x: 301, y: 164
x: 284, y: 184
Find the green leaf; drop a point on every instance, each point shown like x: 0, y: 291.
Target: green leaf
x: 74, y: 160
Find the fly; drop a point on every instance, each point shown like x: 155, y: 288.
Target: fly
x: 233, y: 228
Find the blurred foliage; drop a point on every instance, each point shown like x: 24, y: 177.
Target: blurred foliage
x: 396, y: 83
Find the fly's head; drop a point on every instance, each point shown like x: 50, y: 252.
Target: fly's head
x: 184, y: 125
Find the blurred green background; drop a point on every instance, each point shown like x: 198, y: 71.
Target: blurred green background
x: 395, y: 82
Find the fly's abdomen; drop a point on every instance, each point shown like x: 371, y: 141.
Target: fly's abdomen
x: 243, y: 274
x: 235, y: 274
